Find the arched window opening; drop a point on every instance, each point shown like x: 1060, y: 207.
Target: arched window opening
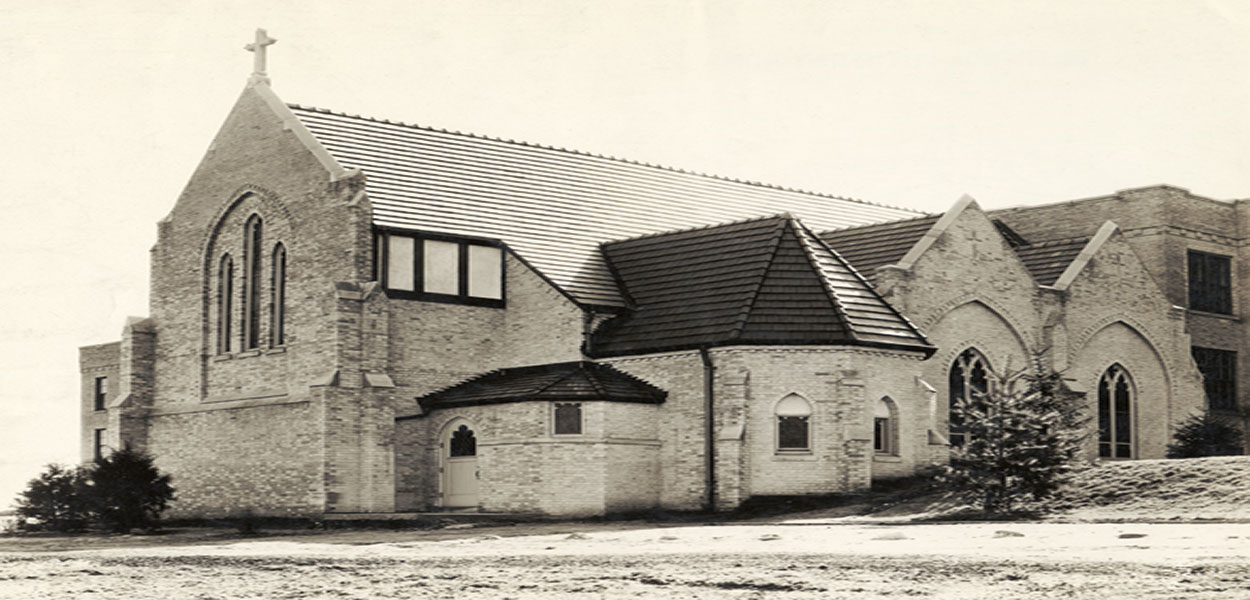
x: 969, y: 378
x: 463, y: 442
x: 1115, y: 414
x: 277, y: 297
x: 793, y: 429
x: 225, y: 295
x: 885, y: 427
x: 252, y: 243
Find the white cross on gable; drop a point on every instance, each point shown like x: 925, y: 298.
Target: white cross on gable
x: 258, y: 48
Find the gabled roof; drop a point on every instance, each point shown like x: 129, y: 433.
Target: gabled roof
x: 549, y: 205
x: 579, y: 381
x: 762, y: 282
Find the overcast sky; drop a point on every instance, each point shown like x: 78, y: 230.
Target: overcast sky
x: 106, y: 108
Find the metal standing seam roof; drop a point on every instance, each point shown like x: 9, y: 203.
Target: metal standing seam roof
x: 551, y: 206
x: 764, y: 282
x: 569, y: 381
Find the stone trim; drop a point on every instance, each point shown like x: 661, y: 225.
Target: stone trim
x: 939, y: 228
x: 225, y: 405
x: 1087, y: 254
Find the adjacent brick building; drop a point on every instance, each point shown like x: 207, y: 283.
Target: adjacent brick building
x: 358, y: 316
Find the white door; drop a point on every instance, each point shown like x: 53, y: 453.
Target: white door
x: 460, y: 467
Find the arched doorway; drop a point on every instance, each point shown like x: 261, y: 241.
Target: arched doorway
x: 460, y: 474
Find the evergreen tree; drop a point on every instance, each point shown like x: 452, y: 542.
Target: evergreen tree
x: 1024, y: 436
x: 127, y: 491
x: 55, y: 501
x: 1205, y: 435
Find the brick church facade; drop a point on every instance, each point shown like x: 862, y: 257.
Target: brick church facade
x: 359, y: 316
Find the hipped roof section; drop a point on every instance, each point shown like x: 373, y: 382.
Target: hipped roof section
x: 551, y: 206
x: 580, y: 381
x: 762, y: 282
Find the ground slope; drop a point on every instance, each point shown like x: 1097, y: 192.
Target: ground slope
x: 1193, y: 489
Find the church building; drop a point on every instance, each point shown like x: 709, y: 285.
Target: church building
x: 356, y: 316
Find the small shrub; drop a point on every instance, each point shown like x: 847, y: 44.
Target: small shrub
x: 55, y: 501
x: 128, y: 492
x: 1204, y: 435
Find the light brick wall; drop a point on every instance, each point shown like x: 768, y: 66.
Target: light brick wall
x: 101, y: 360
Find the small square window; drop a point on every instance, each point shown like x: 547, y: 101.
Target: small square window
x: 792, y: 433
x: 567, y: 418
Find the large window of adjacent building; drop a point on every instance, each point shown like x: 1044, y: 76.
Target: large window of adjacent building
x: 1115, y: 414
x: 793, y: 427
x: 101, y: 391
x: 1219, y: 376
x: 441, y: 269
x: 1210, y: 283
x: 567, y: 418
x: 969, y: 377
x: 252, y: 239
x: 277, y: 296
x: 225, y: 296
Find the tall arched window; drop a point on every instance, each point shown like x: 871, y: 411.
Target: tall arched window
x: 885, y: 427
x: 969, y: 377
x: 793, y: 432
x: 277, y: 296
x: 1115, y: 414
x: 252, y: 244
x: 225, y: 293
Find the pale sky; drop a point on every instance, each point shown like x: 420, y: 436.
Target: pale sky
x: 107, y: 107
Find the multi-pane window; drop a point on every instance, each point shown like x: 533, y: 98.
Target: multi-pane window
x: 225, y: 298
x: 1115, y: 414
x: 793, y: 431
x: 1219, y: 376
x: 252, y: 238
x: 441, y: 269
x: 277, y: 297
x: 567, y: 417
x: 1210, y: 283
x: 884, y: 427
x: 97, y: 444
x: 101, y: 391
x: 969, y: 378
x: 463, y: 442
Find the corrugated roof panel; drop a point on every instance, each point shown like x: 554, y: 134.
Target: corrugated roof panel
x: 551, y: 206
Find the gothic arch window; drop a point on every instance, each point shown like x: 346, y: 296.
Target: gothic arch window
x: 885, y: 427
x: 969, y: 377
x: 462, y: 442
x: 1116, y: 398
x: 277, y: 296
x: 225, y: 296
x: 253, y: 236
x: 793, y: 426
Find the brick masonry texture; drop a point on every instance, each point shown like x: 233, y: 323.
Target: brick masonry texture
x: 328, y: 421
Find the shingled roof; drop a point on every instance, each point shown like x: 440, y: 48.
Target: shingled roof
x: 549, y: 205
x: 1048, y: 260
x: 579, y: 381
x: 762, y: 282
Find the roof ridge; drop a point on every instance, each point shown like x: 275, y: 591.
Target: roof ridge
x: 592, y: 377
x: 596, y: 155
x: 561, y: 378
x: 744, y: 314
x: 693, y: 229
x: 832, y: 294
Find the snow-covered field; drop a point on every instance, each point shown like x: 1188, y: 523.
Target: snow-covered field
x: 830, y: 559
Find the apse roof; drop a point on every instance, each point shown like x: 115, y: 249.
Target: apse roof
x: 763, y: 282
x: 569, y: 381
x: 551, y: 206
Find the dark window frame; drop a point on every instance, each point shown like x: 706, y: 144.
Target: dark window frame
x: 382, y: 250
x: 225, y: 303
x: 962, y: 384
x: 277, y: 296
x: 574, y: 408
x: 1209, y: 280
x: 1117, y: 400
x: 1219, y: 376
x: 790, y: 428
x: 253, y: 241
x: 100, y: 389
x: 97, y: 445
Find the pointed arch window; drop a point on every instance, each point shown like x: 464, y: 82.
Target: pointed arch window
x: 225, y: 296
x: 252, y: 243
x: 885, y: 427
x: 1116, y: 397
x: 277, y: 296
x: 969, y: 378
x: 793, y: 428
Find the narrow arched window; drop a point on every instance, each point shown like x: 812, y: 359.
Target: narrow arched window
x: 277, y: 296
x: 885, y: 427
x: 1115, y: 413
x: 969, y: 378
x: 793, y: 427
x: 225, y: 294
x: 252, y: 240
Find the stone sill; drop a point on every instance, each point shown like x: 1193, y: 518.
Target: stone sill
x: 887, y: 458
x: 1220, y: 316
x: 794, y: 455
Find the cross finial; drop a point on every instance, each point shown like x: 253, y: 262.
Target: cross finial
x: 258, y: 48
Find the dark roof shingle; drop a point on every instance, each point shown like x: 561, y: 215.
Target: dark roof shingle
x: 570, y: 381
x: 1046, y: 261
x: 872, y: 246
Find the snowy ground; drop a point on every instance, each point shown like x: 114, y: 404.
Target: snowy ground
x: 835, y: 558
